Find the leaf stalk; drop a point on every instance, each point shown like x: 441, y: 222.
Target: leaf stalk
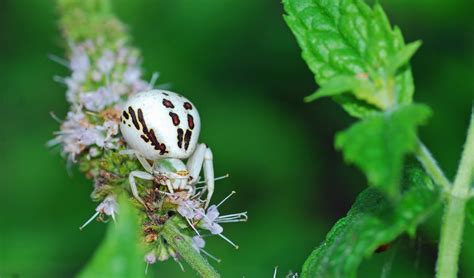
x: 454, y: 215
x: 182, y: 244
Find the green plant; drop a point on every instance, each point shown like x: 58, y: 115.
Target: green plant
x: 362, y: 62
x: 155, y: 225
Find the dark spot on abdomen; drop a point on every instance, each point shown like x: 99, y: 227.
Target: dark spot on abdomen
x: 187, y: 106
x: 142, y: 121
x: 134, y: 117
x: 187, y: 139
x: 190, y: 121
x: 180, y: 137
x: 125, y: 114
x: 167, y: 103
x: 175, y: 118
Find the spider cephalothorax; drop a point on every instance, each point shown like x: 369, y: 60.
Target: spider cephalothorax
x: 164, y: 127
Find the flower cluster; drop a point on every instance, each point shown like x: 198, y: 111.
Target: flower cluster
x: 99, y: 83
x: 196, y: 219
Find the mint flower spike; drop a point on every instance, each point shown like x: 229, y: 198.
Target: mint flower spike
x: 105, y: 73
x: 108, y: 207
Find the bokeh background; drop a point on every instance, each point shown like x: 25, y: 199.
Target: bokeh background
x: 239, y: 63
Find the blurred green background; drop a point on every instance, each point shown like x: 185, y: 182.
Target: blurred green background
x: 239, y: 63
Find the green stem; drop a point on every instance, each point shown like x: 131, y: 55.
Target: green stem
x: 431, y: 166
x: 454, y: 214
x: 182, y: 244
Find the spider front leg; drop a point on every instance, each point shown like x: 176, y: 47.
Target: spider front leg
x: 145, y: 164
x: 133, y: 185
x: 202, y: 158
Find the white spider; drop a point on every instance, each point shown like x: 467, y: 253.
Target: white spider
x: 164, y: 127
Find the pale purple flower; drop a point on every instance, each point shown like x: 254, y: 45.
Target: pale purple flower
x: 122, y: 54
x: 108, y: 207
x: 75, y: 134
x: 131, y: 75
x: 98, y: 100
x: 209, y: 221
x: 150, y: 258
x: 111, y: 128
x: 187, y: 208
x: 79, y: 59
x: 106, y: 62
x: 96, y: 76
x: 198, y: 243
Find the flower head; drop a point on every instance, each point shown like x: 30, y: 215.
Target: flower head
x: 150, y: 257
x: 108, y: 207
x: 198, y: 243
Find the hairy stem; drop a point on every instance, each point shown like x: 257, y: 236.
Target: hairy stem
x: 431, y: 166
x: 183, y: 246
x: 454, y: 214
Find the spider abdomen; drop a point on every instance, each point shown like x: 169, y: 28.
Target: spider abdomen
x: 160, y: 124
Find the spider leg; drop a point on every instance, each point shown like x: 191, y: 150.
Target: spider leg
x: 169, y: 185
x: 145, y: 164
x: 209, y: 174
x: 133, y: 185
x: 202, y: 159
x: 195, y: 162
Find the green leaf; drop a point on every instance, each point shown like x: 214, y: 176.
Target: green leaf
x: 348, y: 38
x: 403, y: 56
x: 338, y: 85
x: 120, y: 254
x: 470, y: 209
x: 372, y: 221
x: 379, y: 143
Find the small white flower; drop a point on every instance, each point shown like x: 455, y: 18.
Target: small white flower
x: 93, y: 152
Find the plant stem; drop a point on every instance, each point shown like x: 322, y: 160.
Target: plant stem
x: 454, y: 214
x: 183, y: 246
x: 431, y: 166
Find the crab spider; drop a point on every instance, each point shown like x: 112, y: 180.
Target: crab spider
x: 164, y: 127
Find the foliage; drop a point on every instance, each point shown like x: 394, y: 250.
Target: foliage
x: 360, y: 60
x: 348, y: 41
x: 363, y: 63
x: 470, y: 210
x: 113, y: 258
x: 378, y: 144
x: 372, y: 221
